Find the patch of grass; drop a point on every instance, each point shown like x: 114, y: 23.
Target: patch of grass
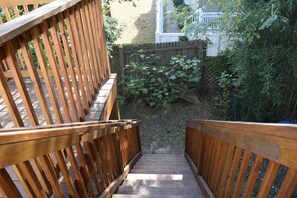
x: 163, y: 129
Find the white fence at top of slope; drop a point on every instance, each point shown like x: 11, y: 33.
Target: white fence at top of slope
x: 217, y: 41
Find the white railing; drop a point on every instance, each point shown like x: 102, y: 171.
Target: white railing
x: 217, y: 41
x: 209, y: 19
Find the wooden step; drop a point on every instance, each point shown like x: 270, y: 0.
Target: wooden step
x: 171, y: 177
x: 150, y: 166
x: 156, y: 196
x: 151, y: 162
x: 161, y: 167
x: 161, y: 171
x: 145, y: 191
x: 160, y: 183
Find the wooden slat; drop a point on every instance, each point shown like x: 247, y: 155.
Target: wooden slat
x: 63, y: 34
x: 12, y: 63
x: 87, y: 60
x: 9, y: 101
x: 241, y: 174
x: 89, y: 38
x: 85, y: 169
x: 67, y: 178
x: 36, y: 82
x: 289, y: 184
x: 268, y: 179
x: 22, y: 2
x: 74, y: 47
x: 253, y: 176
x: 45, y: 74
x: 7, y: 186
x: 99, y: 68
x: 20, y: 25
x: 233, y: 171
x: 53, y: 65
x: 79, y: 52
x: 61, y: 62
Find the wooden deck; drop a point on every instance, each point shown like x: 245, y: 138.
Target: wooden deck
x: 94, y: 114
x: 160, y: 176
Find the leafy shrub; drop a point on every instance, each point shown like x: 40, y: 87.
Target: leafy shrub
x: 112, y: 31
x: 223, y: 100
x: 161, y: 84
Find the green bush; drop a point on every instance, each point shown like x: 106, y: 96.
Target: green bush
x: 161, y: 84
x: 112, y: 31
x: 223, y: 100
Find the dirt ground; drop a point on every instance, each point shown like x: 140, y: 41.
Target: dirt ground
x: 163, y: 129
x: 138, y: 23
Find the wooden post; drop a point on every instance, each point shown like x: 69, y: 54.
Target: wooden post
x: 121, y: 70
x: 201, y: 50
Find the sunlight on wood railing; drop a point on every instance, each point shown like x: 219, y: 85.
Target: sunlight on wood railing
x: 11, y: 9
x: 60, y: 51
x: 243, y: 159
x: 77, y: 160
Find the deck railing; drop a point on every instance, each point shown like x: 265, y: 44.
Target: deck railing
x: 12, y: 9
x: 60, y: 49
x: 243, y: 159
x: 70, y: 160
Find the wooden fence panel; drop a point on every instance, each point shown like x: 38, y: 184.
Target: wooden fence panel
x: 123, y: 55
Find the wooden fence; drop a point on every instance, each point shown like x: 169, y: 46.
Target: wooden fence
x: 122, y: 55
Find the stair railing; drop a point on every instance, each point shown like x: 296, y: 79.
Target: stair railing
x: 60, y: 49
x: 88, y: 159
x: 243, y: 159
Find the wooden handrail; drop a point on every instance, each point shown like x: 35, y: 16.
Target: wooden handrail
x: 98, y: 154
x: 221, y: 153
x: 61, y: 48
x: 19, y: 25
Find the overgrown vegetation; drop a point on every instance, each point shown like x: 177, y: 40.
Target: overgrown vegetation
x: 263, y: 56
x: 159, y: 84
x: 112, y: 31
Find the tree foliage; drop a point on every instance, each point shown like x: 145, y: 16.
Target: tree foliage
x: 264, y: 56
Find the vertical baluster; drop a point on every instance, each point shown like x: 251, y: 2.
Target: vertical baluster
x: 54, y: 67
x: 70, y: 66
x: 233, y: 171
x: 16, y: 73
x: 77, y: 56
x: 90, y: 42
x: 289, y: 184
x: 35, y: 81
x: 268, y: 179
x: 253, y: 176
x: 61, y: 62
x: 80, y: 24
x: 85, y: 169
x: 7, y: 186
x: 9, y: 101
x: 95, y: 16
x: 242, y: 172
x: 45, y: 74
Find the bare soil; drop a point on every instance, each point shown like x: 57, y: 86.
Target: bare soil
x: 163, y: 129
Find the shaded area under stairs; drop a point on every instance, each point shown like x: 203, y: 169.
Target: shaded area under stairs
x: 157, y: 175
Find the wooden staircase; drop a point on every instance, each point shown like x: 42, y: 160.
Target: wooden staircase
x: 160, y: 176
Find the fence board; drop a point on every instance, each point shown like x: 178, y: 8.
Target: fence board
x: 122, y: 55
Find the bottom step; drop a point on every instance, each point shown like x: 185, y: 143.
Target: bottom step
x: 154, y: 196
x: 149, y: 191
